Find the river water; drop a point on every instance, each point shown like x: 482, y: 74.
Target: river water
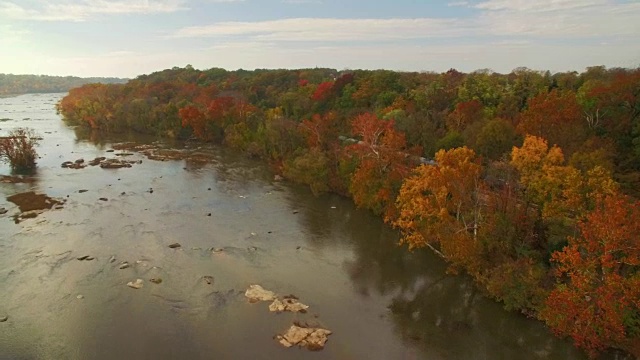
x: 379, y: 300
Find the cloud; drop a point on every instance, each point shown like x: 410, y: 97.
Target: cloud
x: 544, y: 19
x: 300, y: 2
x: 560, y: 18
x: 329, y: 29
x: 538, y: 5
x: 81, y: 10
x: 458, y: 3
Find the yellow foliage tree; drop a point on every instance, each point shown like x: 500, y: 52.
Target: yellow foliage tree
x: 440, y: 206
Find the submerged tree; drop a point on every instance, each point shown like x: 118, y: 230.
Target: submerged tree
x: 19, y: 149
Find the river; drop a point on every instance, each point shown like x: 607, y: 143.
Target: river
x: 379, y: 300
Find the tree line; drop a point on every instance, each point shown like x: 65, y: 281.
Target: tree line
x: 527, y: 181
x: 25, y: 84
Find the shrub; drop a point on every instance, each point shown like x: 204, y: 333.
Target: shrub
x: 19, y: 149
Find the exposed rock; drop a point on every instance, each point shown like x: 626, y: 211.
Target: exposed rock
x: 4, y: 318
x: 85, y: 257
x: 103, y: 199
x: 288, y: 304
x: 216, y: 250
x: 110, y: 150
x: 311, y: 338
x: 155, y: 280
x: 139, y: 283
x: 78, y: 164
x: 208, y: 279
x: 278, y: 178
x: 112, y: 259
x: 115, y: 164
x: 175, y: 245
x: 124, y: 265
x: 256, y: 293
x: 97, y: 161
x: 3, y: 211
x: 90, y: 258
x: 80, y: 297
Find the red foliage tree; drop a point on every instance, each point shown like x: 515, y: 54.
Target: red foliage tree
x: 383, y: 162
x: 599, y: 302
x: 464, y: 115
x: 193, y: 117
x: 323, y: 91
x: 555, y: 117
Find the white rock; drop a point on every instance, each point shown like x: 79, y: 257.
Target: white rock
x: 256, y: 293
x: 135, y: 284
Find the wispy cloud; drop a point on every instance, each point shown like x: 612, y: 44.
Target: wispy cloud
x: 82, y: 10
x: 329, y: 29
x: 301, y: 2
x: 562, y: 19
x: 539, y: 5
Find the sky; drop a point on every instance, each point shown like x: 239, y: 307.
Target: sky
x: 126, y: 38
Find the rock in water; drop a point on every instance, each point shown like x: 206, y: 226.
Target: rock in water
x: 288, y: 304
x: 311, y: 338
x: 175, y: 245
x: 135, y: 284
x: 256, y: 293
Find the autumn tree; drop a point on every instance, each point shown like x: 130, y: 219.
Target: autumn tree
x: 18, y: 149
x: 383, y: 161
x: 556, y: 117
x: 597, y: 299
x: 560, y: 190
x: 464, y: 114
x: 440, y: 206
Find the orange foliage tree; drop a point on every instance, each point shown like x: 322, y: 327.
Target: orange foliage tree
x: 440, y: 206
x: 598, y: 303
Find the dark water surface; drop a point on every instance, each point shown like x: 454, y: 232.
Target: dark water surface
x: 380, y: 301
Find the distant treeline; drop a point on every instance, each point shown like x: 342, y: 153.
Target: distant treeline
x: 527, y: 181
x: 25, y: 84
